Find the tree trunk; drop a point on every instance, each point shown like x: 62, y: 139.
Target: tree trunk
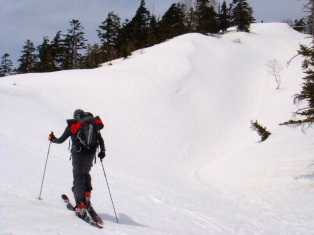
x: 75, y: 53
x: 312, y: 15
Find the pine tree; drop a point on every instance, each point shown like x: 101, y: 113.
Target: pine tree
x: 45, y: 56
x: 207, y: 19
x: 28, y: 60
x: 109, y: 34
x: 305, y: 116
x: 124, y: 39
x: 241, y: 15
x: 93, y: 57
x: 66, y: 53
x: 188, y: 9
x: 139, y: 25
x: 224, y: 17
x: 153, y: 36
x: 300, y: 25
x: 308, y: 29
x: 262, y: 131
x: 125, y: 52
x: 58, y: 51
x: 75, y: 41
x: 5, y: 66
x: 172, y: 23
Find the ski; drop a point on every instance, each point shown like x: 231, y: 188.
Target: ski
x: 87, y: 219
x: 94, y: 215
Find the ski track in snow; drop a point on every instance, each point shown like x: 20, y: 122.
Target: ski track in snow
x: 181, y: 158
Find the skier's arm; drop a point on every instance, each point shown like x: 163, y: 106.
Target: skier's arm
x: 102, y: 152
x: 66, y: 134
x: 101, y: 143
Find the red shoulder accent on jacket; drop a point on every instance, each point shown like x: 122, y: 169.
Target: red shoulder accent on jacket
x: 99, y: 124
x: 75, y: 127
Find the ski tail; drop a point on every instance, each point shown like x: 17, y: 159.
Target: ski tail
x: 94, y: 215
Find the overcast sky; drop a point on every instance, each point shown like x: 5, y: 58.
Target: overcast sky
x: 34, y: 19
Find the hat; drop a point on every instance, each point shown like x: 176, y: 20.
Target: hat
x: 77, y: 112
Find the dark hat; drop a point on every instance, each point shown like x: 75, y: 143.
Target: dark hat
x: 77, y: 112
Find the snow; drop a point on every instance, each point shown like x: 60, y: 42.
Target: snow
x: 181, y: 157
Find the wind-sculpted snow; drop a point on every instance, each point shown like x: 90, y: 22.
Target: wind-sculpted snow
x: 181, y: 157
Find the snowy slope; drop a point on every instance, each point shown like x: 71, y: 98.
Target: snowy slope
x: 181, y: 158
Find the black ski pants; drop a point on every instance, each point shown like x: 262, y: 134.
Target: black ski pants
x: 82, y: 182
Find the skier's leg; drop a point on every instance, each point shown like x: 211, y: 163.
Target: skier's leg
x: 79, y: 170
x: 88, y: 178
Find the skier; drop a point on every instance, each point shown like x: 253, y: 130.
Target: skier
x: 82, y: 161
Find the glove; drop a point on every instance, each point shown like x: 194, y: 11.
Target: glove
x: 51, y: 137
x: 102, y: 154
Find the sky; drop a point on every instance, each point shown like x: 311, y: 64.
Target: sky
x: 31, y: 19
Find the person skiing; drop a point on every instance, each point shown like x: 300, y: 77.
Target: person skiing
x: 82, y: 160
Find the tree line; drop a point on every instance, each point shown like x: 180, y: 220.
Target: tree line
x: 118, y: 39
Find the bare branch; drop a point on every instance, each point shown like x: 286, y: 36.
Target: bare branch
x: 274, y: 69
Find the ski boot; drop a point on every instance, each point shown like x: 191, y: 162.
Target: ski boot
x: 80, y: 210
x: 91, y: 210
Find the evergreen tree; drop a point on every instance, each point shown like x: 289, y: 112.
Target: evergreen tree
x: 308, y: 20
x: 58, y: 51
x: 93, y: 57
x: 75, y: 41
x: 153, y: 32
x: 224, y: 17
x: 108, y: 35
x: 66, y: 53
x: 125, y: 51
x: 308, y: 29
x: 241, y: 15
x: 261, y: 131
x: 5, y: 66
x: 172, y: 23
x: 124, y: 40
x: 300, y: 25
x: 28, y: 60
x: 306, y: 114
x: 207, y: 19
x: 45, y: 56
x: 188, y: 9
x: 139, y: 25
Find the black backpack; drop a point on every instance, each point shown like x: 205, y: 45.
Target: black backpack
x: 85, y: 131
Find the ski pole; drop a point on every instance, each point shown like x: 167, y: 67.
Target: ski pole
x: 44, y: 171
x: 109, y: 191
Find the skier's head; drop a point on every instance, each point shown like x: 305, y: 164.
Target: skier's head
x: 77, y: 112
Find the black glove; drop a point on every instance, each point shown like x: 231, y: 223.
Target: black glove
x: 102, y: 154
x: 51, y: 137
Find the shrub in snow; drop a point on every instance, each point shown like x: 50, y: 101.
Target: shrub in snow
x: 255, y: 126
